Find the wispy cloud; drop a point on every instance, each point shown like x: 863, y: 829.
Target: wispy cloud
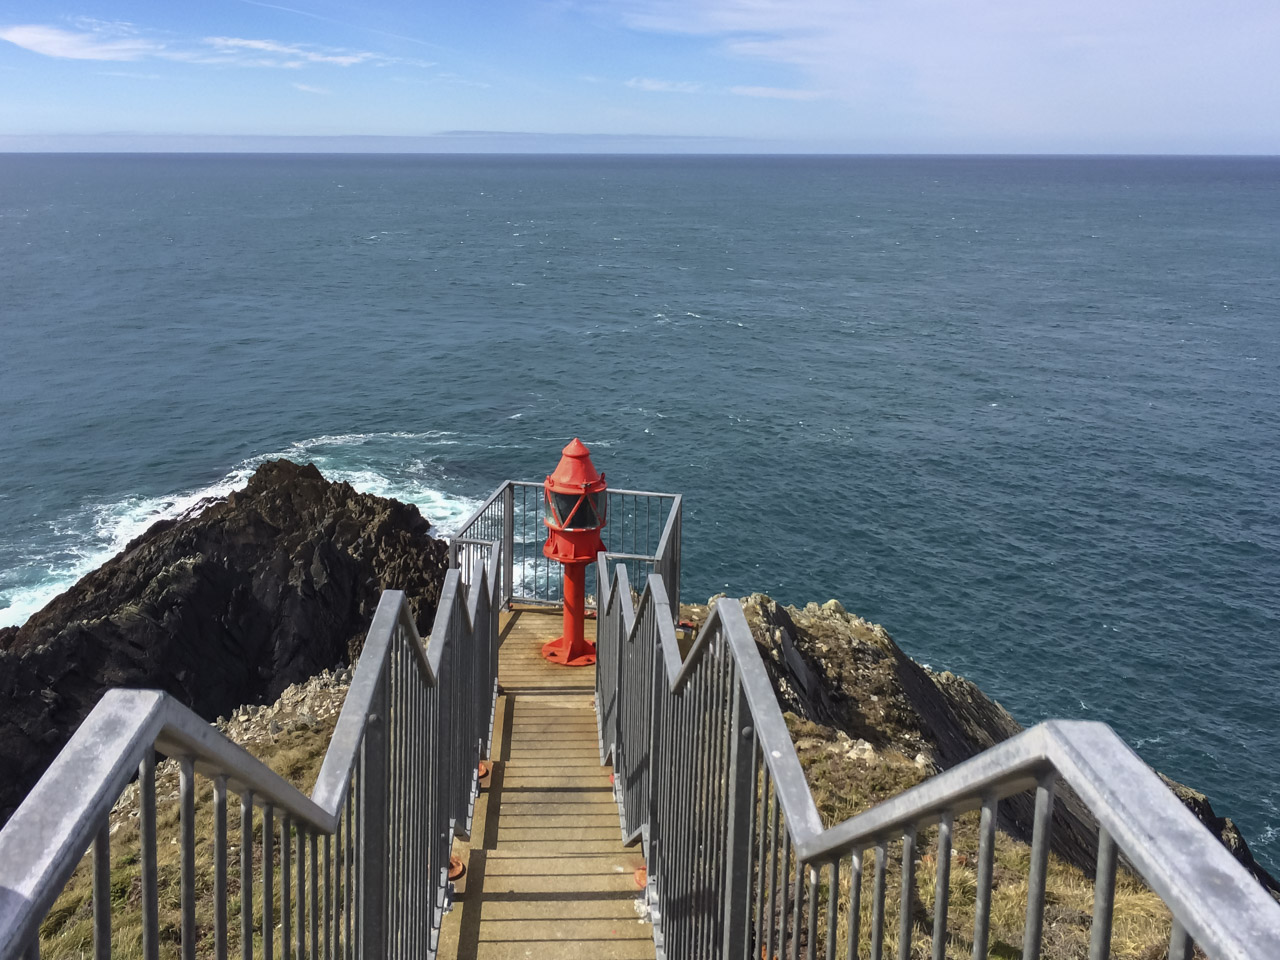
x: 462, y: 81
x: 81, y: 45
x: 129, y: 75
x: 119, y: 41
x: 1002, y: 66
x: 272, y: 54
x: 307, y: 88
x: 663, y: 86
x: 777, y: 93
x: 341, y: 23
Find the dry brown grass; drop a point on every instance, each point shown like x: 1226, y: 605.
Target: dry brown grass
x: 67, y: 932
x: 843, y: 786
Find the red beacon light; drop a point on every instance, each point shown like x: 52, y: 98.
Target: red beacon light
x: 577, y: 502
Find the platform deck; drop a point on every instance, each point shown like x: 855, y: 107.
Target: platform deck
x: 547, y: 874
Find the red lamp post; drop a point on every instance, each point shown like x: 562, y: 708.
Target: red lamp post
x: 577, y: 501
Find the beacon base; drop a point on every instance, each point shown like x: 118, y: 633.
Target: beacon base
x: 568, y: 654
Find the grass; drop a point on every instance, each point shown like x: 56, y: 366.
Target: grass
x: 844, y: 786
x: 295, y: 753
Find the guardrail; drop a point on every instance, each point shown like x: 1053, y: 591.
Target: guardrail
x: 739, y: 865
x: 642, y: 534
x: 362, y: 870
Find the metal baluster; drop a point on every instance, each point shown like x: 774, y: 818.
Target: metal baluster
x: 705, y: 774
x: 1180, y: 943
x: 725, y: 788
x: 770, y: 913
x: 286, y: 883
x: 908, y: 889
x: 315, y: 895
x: 268, y: 883
x: 328, y: 896
x: 339, y: 887
x: 373, y: 837
x: 686, y: 815
x: 396, y: 789
x: 855, y: 904
x: 739, y: 824
x: 833, y: 909
x: 1039, y: 867
x: 220, y: 867
x: 147, y: 830
x: 187, y: 789
x: 762, y: 851
x: 348, y: 869
x: 812, y: 948
x: 986, y: 853
x: 102, y: 892
x: 797, y: 909
x: 246, y: 875
x: 877, y: 901
x: 1104, y: 897
x: 300, y: 944
x: 784, y: 872
x: 942, y: 887
x: 418, y: 932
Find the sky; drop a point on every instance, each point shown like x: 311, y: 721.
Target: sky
x: 846, y: 76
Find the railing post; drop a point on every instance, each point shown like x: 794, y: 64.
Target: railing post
x: 673, y: 588
x: 737, y: 849
x: 373, y: 829
x: 508, y: 541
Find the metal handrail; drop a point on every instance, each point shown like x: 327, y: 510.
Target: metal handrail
x: 643, y: 531
x: 739, y: 865
x: 402, y: 760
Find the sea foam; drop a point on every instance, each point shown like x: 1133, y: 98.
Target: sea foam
x: 373, y: 463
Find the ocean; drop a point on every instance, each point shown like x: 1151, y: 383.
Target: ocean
x: 1025, y: 412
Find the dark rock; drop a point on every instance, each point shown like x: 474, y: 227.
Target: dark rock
x: 1224, y: 829
x: 228, y: 607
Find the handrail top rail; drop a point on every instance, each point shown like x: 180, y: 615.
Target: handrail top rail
x: 618, y: 490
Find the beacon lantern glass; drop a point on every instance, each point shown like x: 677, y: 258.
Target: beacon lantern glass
x: 577, y: 511
x: 577, y: 499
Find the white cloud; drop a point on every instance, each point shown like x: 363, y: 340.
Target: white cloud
x: 288, y: 54
x: 957, y: 68
x: 118, y: 41
x: 307, y: 88
x: 129, y: 75
x: 663, y: 86
x: 70, y: 45
x: 777, y: 93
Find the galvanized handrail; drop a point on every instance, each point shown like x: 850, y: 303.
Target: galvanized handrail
x: 739, y: 864
x: 397, y: 783
x: 643, y: 532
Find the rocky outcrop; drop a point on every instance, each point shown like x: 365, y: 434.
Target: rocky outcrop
x: 837, y: 671
x: 258, y: 591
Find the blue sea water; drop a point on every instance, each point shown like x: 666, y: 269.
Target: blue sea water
x: 1025, y: 412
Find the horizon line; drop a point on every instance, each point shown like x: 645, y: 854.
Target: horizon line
x: 502, y: 142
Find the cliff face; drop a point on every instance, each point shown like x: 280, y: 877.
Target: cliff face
x: 259, y: 591
x: 857, y: 699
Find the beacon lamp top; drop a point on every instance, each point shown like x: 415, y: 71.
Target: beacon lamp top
x: 577, y: 503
